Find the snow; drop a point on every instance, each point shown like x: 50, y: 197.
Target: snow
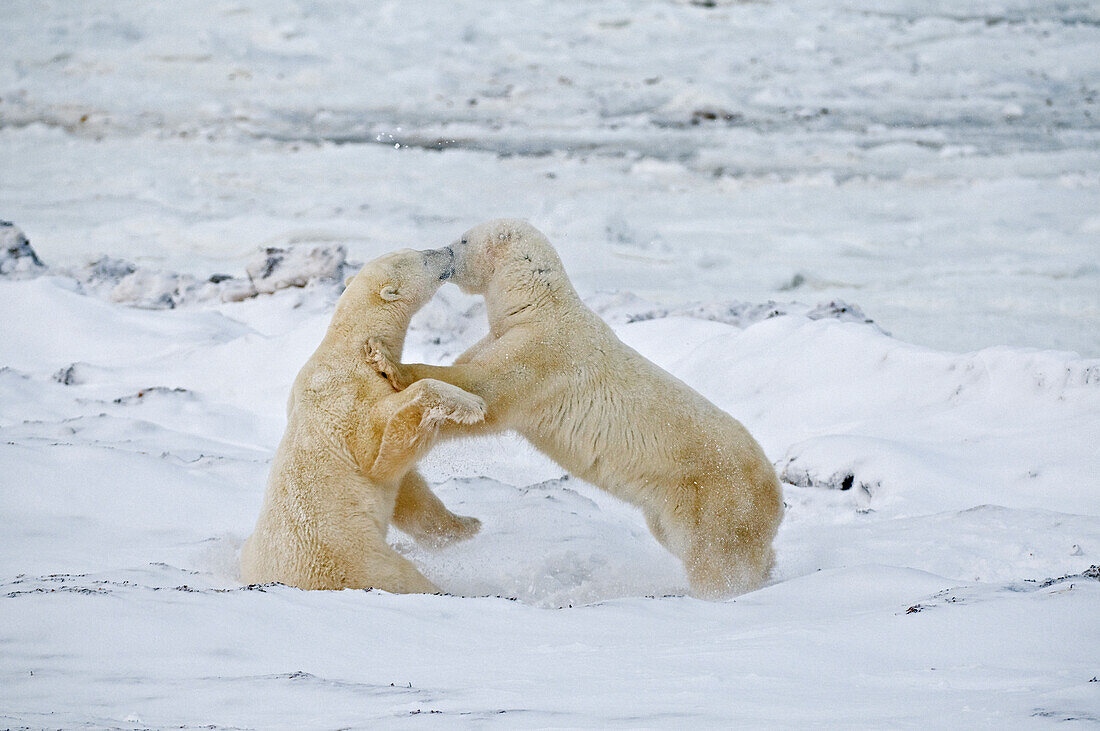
x: 869, y: 231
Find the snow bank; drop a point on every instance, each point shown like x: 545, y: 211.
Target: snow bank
x: 934, y: 502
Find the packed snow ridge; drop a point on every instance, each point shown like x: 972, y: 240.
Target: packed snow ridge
x: 272, y: 268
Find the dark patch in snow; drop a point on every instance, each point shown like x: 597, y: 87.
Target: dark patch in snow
x: 82, y: 584
x: 303, y: 677
x: 67, y: 376
x: 703, y: 116
x: 17, y: 259
x: 838, y: 310
x: 1065, y: 715
x: 983, y: 592
x: 294, y: 265
x: 274, y: 259
x: 1091, y: 573
x: 801, y: 475
x: 947, y: 596
x: 714, y: 114
x: 625, y: 308
x: 795, y: 282
x: 58, y: 589
x: 137, y: 397
x: 105, y: 270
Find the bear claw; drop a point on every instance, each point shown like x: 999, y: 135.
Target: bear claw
x: 378, y: 356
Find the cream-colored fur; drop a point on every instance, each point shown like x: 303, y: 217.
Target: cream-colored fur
x: 553, y: 371
x: 344, y: 467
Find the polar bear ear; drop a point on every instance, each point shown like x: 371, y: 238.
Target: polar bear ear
x: 389, y: 293
x: 347, y: 282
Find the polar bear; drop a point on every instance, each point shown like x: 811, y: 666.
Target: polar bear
x: 554, y: 372
x: 344, y: 467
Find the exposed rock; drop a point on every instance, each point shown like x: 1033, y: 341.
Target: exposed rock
x: 279, y: 267
x: 17, y: 259
x: 122, y: 281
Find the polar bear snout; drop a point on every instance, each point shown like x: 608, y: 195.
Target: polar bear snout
x: 440, y: 261
x: 471, y: 266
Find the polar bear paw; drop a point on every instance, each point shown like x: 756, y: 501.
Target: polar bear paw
x: 445, y: 402
x: 378, y: 355
x: 460, y: 528
x: 461, y: 407
x: 472, y: 411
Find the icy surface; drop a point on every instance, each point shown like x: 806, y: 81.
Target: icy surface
x: 868, y: 230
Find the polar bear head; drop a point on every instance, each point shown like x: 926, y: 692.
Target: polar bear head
x: 504, y: 250
x: 398, y: 283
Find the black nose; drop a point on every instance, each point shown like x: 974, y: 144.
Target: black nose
x: 441, y: 260
x: 450, y: 270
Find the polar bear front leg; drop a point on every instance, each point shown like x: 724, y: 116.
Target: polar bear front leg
x: 411, y: 420
x: 473, y: 378
x: 423, y: 516
x: 477, y: 349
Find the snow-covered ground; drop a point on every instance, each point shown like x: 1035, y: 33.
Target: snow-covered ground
x: 721, y: 178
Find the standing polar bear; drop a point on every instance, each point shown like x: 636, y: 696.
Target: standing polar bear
x: 553, y: 371
x: 344, y: 467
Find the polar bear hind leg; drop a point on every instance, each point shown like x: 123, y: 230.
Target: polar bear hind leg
x: 725, y: 551
x: 729, y: 550
x: 720, y: 569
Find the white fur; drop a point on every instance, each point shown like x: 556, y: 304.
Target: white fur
x: 553, y: 371
x: 342, y: 470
